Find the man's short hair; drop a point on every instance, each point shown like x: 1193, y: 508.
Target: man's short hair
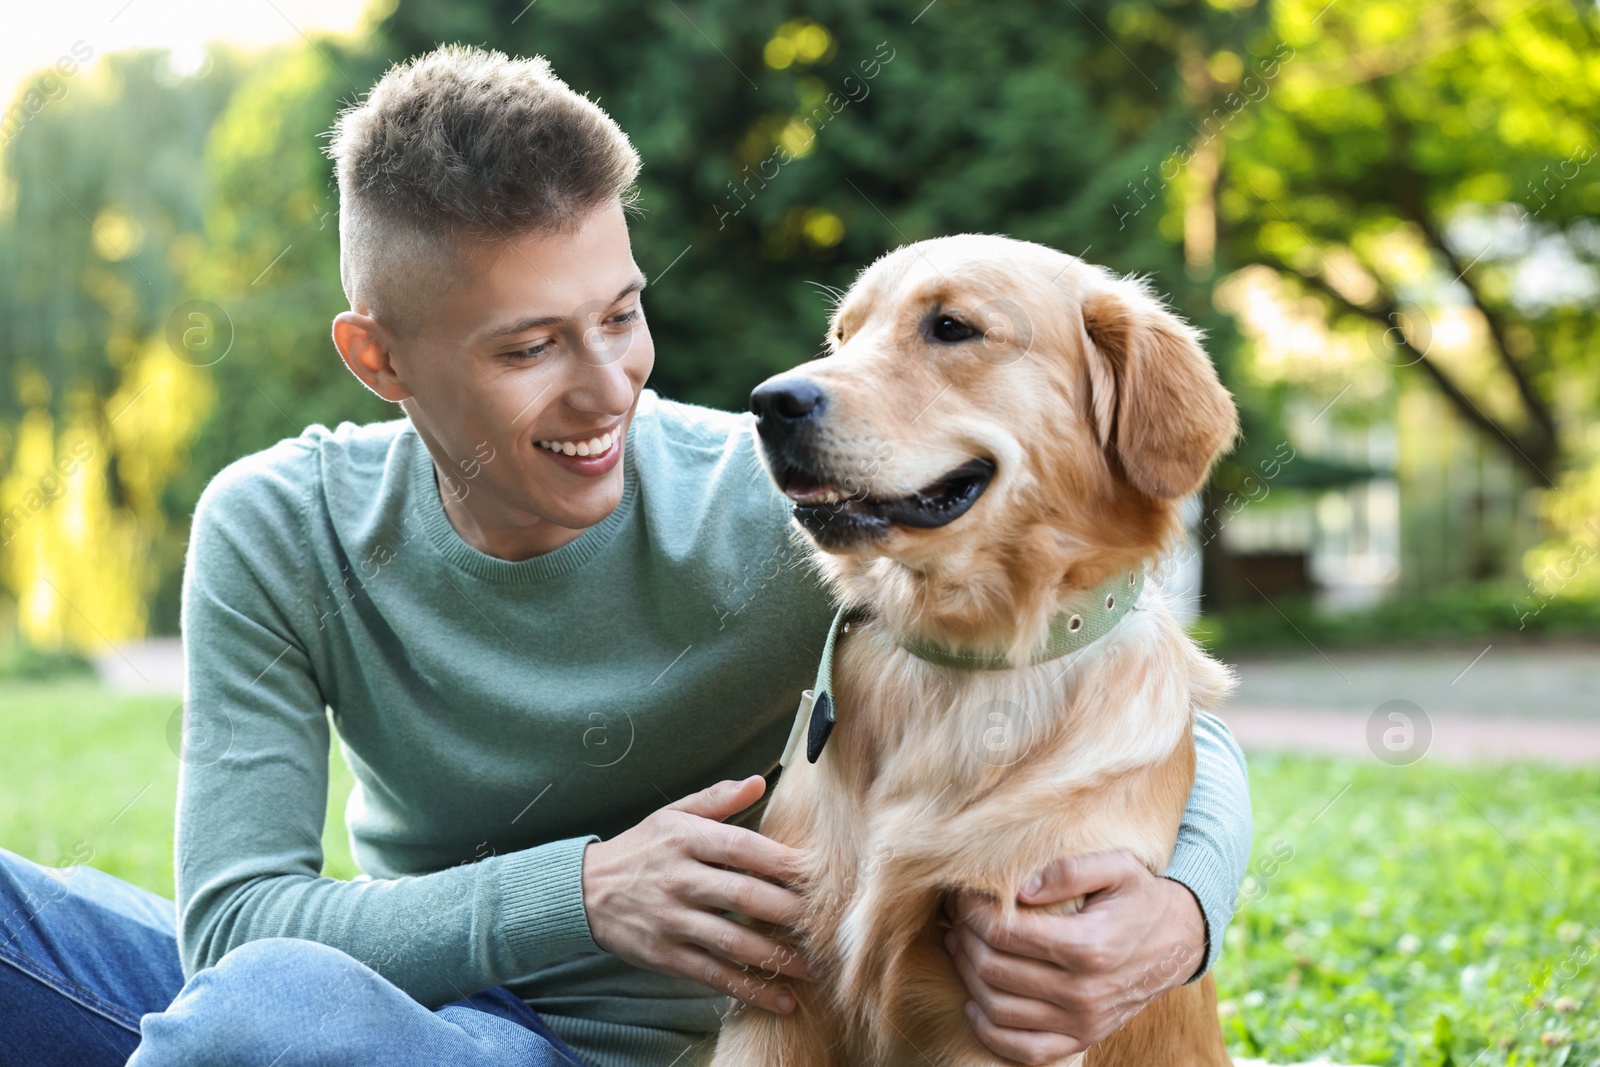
x: 458, y: 146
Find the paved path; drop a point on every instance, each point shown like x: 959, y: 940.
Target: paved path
x: 1456, y: 739
x: 1557, y: 681
x: 1469, y: 703
x: 154, y: 665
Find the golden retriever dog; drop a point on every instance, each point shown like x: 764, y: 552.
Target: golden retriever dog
x: 986, y: 459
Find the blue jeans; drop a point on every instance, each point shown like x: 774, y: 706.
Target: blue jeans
x: 89, y: 975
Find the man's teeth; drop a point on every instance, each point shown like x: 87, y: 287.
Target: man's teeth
x: 592, y: 447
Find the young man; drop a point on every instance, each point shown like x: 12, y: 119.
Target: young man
x: 562, y: 625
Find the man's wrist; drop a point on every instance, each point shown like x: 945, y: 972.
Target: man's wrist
x: 1200, y: 868
x: 1213, y: 845
x: 1192, y: 946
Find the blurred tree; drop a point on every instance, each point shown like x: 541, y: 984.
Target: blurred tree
x: 781, y: 151
x: 1427, y: 171
x: 270, y: 265
x: 98, y: 220
x: 781, y: 155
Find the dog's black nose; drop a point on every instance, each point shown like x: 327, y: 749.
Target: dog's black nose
x: 779, y: 405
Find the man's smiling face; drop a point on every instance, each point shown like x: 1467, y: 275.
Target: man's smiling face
x: 541, y: 339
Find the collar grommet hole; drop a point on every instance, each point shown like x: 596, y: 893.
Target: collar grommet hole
x: 1111, y: 601
x: 1074, y: 624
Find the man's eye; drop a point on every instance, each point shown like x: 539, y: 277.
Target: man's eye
x: 531, y: 353
x: 631, y: 315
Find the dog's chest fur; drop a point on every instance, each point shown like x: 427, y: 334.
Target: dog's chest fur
x: 937, y: 779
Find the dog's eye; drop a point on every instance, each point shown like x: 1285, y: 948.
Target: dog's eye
x: 950, y: 328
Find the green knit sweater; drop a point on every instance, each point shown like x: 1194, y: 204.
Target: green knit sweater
x: 499, y: 716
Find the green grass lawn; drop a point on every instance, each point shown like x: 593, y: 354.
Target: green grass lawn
x: 89, y: 777
x: 1429, y: 916
x: 1424, y: 915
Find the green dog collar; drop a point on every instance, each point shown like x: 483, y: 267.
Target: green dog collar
x: 1070, y: 630
x: 1100, y: 609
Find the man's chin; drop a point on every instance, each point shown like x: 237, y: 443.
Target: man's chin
x: 590, y: 505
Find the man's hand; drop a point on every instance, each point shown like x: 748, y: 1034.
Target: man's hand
x: 1047, y: 986
x: 653, y: 892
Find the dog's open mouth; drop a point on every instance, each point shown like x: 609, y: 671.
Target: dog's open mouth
x: 831, y: 512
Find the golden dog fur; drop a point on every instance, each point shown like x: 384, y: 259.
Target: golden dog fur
x: 1099, y: 410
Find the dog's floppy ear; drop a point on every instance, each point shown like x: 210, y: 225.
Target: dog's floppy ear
x: 1161, y: 413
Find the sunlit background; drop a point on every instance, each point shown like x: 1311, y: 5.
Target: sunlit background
x: 39, y: 34
x: 1382, y: 212
x: 1385, y: 214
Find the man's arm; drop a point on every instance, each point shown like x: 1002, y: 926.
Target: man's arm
x: 253, y: 784
x: 252, y: 791
x: 1213, y: 846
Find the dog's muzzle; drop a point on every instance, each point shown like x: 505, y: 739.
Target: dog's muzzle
x: 833, y: 506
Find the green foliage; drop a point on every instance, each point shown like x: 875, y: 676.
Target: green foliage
x: 783, y: 153
x: 1029, y: 127
x: 917, y: 139
x: 102, y: 226
x: 1415, y: 158
x: 22, y: 661
x: 271, y: 261
x: 1443, y: 614
x: 907, y: 138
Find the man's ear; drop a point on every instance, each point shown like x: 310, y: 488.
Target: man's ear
x: 1161, y: 413
x: 364, y: 347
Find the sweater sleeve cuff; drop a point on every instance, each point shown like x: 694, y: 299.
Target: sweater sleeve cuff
x: 1201, y: 870
x: 1214, y: 838
x: 542, y: 913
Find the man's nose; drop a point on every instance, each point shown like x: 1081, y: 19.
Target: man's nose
x: 783, y: 406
